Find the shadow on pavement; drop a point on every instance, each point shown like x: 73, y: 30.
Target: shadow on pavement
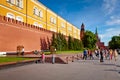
x: 114, y: 70
x: 108, y: 64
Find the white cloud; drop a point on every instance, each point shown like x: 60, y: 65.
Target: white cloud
x: 113, y: 21
x: 106, y: 36
x: 111, y: 32
x: 110, y: 29
x: 109, y: 6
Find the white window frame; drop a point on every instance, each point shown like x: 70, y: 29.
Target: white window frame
x: 11, y: 1
x: 19, y: 3
x: 62, y: 24
x: 52, y: 29
x: 41, y: 13
x: 10, y: 15
x: 69, y: 28
x: 40, y: 25
x: 35, y: 23
x: 36, y: 11
x: 19, y: 18
x: 51, y: 19
x: 54, y: 21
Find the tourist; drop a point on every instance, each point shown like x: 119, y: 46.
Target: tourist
x: 85, y: 54
x: 101, y: 55
x: 53, y: 58
x: 22, y: 50
x: 91, y: 54
x: 111, y: 54
x: 43, y: 57
x: 115, y: 54
x: 96, y: 53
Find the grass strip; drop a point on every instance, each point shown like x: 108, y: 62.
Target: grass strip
x: 64, y: 52
x: 12, y: 59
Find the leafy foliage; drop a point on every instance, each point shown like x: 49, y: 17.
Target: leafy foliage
x: 62, y: 44
x: 70, y: 43
x: 89, y: 40
x: 115, y: 42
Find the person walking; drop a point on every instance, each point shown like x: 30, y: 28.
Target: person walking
x: 101, y: 55
x: 85, y: 54
x: 115, y: 54
x: 53, y: 58
x: 91, y: 54
x: 43, y: 57
x: 111, y: 53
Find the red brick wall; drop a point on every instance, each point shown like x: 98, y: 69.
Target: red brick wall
x: 14, y: 33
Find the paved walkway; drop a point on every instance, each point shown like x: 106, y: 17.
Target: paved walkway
x: 78, y: 70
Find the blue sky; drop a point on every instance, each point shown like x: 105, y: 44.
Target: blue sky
x: 103, y: 14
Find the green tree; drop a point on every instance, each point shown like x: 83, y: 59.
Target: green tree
x: 70, y: 43
x: 115, y: 42
x: 89, y: 40
x: 60, y: 42
x: 74, y: 44
x: 54, y: 41
x: 77, y: 44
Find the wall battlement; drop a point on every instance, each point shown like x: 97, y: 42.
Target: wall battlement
x: 22, y: 24
x: 14, y: 33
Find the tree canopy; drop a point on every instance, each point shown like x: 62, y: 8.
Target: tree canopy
x: 61, y: 43
x: 89, y: 40
x: 115, y: 42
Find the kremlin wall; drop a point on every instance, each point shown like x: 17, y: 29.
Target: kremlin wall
x: 14, y: 33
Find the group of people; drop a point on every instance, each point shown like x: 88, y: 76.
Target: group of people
x: 101, y: 54
x: 87, y: 53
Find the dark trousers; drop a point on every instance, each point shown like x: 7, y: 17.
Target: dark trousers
x: 85, y: 56
x: 101, y: 58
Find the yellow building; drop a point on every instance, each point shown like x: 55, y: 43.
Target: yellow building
x: 62, y: 27
x: 15, y: 9
x: 35, y: 13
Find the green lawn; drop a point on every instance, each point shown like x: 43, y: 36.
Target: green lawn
x: 65, y: 52
x: 12, y: 59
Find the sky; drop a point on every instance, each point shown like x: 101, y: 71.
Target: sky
x: 101, y: 14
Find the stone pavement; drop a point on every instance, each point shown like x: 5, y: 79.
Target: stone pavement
x: 78, y: 70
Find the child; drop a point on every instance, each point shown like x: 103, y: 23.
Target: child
x: 43, y: 57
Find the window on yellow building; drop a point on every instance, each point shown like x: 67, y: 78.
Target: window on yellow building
x: 69, y: 28
x: 10, y: 15
x: 63, y: 25
x: 35, y: 11
x: 51, y: 19
x: 19, y: 18
x: 54, y: 21
x: 19, y: 3
x: 53, y: 29
x: 11, y: 1
x: 41, y: 13
x: 35, y: 24
x: 40, y: 25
